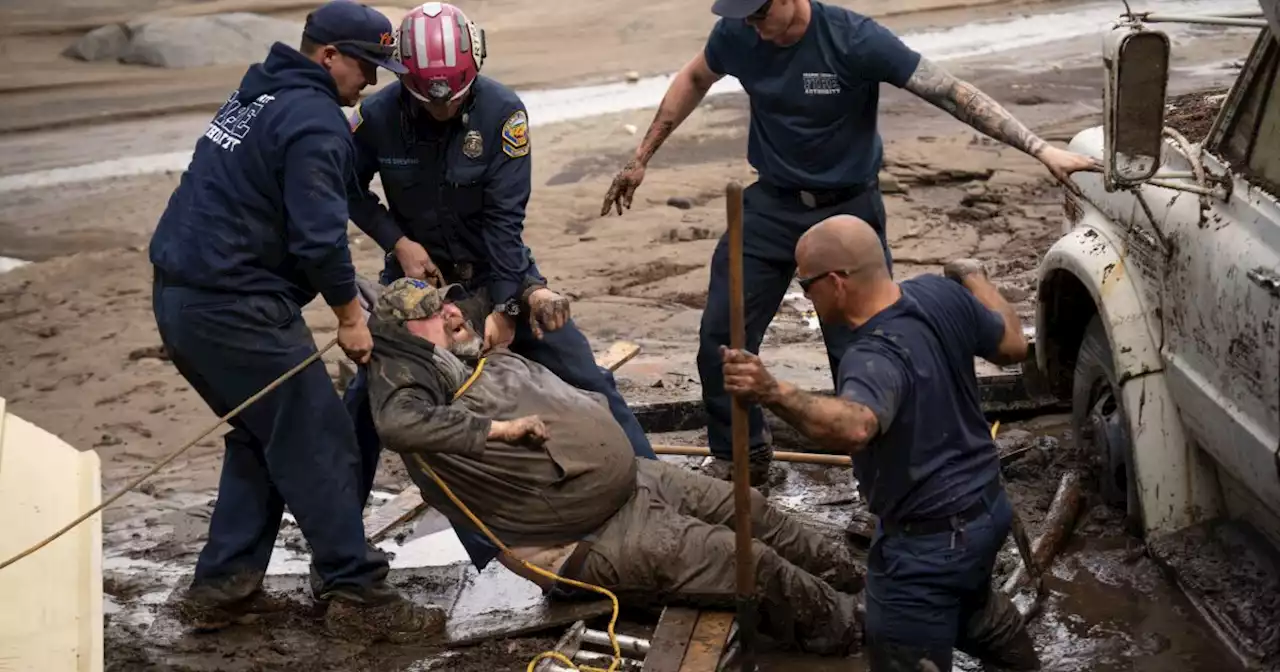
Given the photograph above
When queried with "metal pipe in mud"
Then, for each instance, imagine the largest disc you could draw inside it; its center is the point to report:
(632, 645)
(741, 476)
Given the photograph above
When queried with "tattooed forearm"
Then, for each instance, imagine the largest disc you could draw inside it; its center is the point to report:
(965, 102)
(834, 424)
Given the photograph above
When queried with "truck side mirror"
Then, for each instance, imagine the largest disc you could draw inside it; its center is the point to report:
(1137, 67)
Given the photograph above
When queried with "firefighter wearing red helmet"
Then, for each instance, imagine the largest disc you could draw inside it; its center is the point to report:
(453, 150)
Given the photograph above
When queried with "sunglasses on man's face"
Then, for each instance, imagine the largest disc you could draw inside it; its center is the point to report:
(762, 13)
(807, 282)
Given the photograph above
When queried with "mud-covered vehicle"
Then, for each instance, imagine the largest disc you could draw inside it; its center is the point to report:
(1158, 316)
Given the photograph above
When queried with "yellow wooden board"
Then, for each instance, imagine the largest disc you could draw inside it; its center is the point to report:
(52, 600)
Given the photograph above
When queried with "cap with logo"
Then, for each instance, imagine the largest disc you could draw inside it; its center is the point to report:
(412, 299)
(737, 9)
(356, 30)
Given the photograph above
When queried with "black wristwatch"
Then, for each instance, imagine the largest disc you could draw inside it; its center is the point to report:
(509, 307)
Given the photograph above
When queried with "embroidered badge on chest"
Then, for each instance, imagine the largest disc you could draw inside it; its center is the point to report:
(515, 135)
(473, 145)
(357, 118)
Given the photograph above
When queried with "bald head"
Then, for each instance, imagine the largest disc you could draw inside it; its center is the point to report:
(841, 243)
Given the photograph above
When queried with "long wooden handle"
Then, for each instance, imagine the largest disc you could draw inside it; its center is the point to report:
(778, 456)
(741, 477)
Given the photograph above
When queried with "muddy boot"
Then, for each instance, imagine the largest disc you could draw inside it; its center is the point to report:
(213, 606)
(375, 553)
(380, 614)
(997, 635)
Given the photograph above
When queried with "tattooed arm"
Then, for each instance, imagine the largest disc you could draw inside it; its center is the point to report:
(835, 424)
(687, 89)
(965, 102)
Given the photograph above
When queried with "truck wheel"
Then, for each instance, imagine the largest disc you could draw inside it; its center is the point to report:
(1101, 426)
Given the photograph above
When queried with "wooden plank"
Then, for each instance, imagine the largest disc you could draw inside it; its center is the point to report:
(670, 640)
(618, 354)
(707, 645)
(403, 507)
(409, 504)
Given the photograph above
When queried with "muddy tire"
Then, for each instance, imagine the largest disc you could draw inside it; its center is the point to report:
(1100, 424)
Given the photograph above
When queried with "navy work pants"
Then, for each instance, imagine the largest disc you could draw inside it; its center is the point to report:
(772, 223)
(293, 447)
(928, 594)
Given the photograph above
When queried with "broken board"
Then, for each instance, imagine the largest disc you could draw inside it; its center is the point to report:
(689, 640)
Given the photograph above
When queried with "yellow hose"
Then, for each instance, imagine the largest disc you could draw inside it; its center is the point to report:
(556, 655)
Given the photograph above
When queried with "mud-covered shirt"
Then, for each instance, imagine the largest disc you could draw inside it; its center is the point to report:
(913, 366)
(554, 494)
(814, 103)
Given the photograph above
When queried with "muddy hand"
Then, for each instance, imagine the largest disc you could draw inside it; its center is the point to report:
(548, 311)
(356, 341)
(745, 376)
(623, 189)
(1062, 164)
(959, 269)
(416, 263)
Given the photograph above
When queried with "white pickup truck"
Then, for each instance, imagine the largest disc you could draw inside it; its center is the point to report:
(1158, 310)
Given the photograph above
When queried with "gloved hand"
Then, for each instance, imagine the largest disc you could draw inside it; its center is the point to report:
(368, 291)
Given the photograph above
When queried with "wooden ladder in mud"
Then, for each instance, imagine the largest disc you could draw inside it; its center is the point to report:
(685, 640)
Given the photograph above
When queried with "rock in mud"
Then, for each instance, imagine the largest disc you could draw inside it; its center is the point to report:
(102, 44)
(680, 202)
(192, 42)
(889, 184)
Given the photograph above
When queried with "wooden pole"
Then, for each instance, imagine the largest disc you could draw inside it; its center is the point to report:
(824, 459)
(741, 473)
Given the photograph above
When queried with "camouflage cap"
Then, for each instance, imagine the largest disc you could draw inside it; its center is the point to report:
(412, 299)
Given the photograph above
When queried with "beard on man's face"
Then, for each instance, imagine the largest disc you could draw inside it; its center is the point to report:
(468, 347)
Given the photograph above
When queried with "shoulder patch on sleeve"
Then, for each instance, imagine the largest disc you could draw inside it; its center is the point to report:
(356, 118)
(515, 135)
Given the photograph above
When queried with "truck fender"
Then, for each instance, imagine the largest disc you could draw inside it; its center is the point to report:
(1176, 482)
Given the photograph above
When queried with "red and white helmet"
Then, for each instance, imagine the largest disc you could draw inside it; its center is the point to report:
(442, 50)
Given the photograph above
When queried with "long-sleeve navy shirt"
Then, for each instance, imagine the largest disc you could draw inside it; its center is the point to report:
(262, 208)
(459, 188)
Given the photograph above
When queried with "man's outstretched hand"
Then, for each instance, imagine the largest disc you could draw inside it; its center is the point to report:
(528, 430)
(746, 377)
(548, 311)
(1062, 163)
(623, 189)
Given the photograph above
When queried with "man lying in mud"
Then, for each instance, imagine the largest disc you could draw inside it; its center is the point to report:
(547, 468)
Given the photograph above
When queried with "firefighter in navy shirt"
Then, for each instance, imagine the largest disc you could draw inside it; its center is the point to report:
(812, 72)
(907, 410)
(452, 149)
(254, 231)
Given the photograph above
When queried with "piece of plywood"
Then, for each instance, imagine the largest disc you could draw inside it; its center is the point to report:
(52, 615)
(708, 642)
(618, 354)
(670, 639)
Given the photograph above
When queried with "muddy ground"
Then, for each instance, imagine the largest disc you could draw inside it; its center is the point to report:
(78, 347)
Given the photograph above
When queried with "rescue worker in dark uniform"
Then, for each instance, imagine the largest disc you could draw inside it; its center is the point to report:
(812, 72)
(907, 411)
(452, 149)
(257, 228)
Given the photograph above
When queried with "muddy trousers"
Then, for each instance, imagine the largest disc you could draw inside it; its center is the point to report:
(931, 593)
(294, 447)
(772, 223)
(673, 543)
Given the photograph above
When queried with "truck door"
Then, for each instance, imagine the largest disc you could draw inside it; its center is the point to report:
(1222, 307)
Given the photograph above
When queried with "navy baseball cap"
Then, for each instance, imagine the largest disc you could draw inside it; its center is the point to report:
(356, 30)
(737, 9)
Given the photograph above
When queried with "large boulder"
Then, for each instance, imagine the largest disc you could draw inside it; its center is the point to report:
(103, 44)
(188, 42)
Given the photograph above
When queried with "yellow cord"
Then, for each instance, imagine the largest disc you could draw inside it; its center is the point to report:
(556, 655)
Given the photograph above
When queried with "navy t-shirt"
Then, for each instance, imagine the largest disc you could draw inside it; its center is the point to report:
(912, 365)
(814, 103)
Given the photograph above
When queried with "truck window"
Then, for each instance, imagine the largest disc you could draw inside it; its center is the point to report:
(1253, 134)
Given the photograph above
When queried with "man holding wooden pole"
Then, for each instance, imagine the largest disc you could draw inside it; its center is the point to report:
(908, 412)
